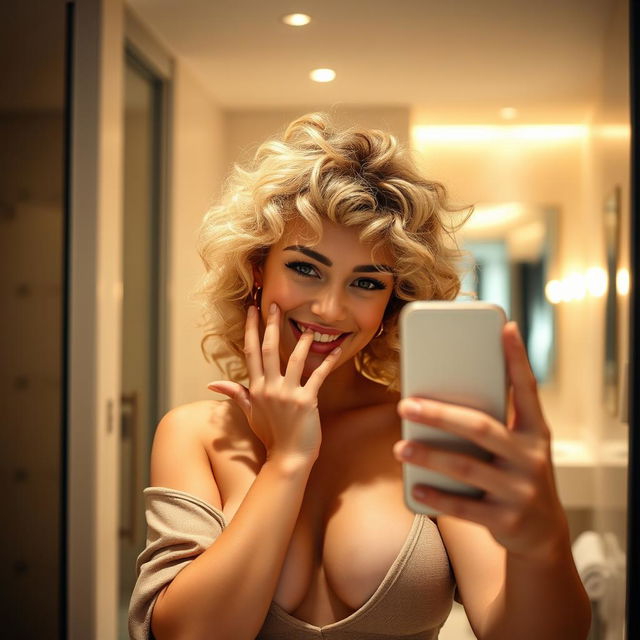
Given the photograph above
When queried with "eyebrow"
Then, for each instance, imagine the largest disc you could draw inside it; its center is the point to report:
(361, 268)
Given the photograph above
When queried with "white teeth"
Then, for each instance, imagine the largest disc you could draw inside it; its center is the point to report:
(323, 337)
(319, 337)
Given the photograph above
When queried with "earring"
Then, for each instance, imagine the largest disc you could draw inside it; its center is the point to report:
(380, 331)
(256, 296)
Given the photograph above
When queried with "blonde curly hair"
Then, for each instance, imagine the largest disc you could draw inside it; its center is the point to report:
(355, 177)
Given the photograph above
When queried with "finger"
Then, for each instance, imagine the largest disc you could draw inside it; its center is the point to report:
(237, 392)
(527, 409)
(271, 344)
(321, 372)
(467, 423)
(296, 362)
(480, 511)
(252, 353)
(463, 468)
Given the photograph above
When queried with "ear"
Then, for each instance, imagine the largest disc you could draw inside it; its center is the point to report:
(257, 275)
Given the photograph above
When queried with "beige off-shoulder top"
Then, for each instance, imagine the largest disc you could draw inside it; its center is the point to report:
(412, 602)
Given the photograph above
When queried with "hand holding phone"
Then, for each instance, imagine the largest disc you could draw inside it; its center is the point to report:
(451, 352)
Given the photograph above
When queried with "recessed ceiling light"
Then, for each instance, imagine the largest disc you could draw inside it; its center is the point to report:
(508, 113)
(322, 75)
(296, 19)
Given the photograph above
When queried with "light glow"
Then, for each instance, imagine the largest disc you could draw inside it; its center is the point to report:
(296, 19)
(622, 282)
(489, 216)
(322, 75)
(574, 287)
(614, 131)
(553, 291)
(508, 113)
(498, 133)
(596, 281)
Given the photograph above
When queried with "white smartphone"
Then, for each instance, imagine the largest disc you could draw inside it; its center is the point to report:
(452, 352)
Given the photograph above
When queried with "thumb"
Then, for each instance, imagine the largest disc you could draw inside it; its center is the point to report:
(234, 390)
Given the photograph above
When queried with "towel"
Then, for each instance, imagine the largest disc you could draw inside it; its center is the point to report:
(589, 556)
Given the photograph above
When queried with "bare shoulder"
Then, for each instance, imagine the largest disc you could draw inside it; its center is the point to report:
(181, 455)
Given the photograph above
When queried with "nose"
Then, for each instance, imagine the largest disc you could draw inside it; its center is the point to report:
(329, 306)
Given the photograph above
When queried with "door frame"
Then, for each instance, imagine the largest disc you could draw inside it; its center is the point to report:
(95, 293)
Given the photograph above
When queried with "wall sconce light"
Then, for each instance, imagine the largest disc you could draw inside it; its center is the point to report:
(576, 286)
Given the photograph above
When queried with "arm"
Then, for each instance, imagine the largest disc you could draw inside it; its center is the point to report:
(247, 557)
(225, 592)
(506, 596)
(511, 550)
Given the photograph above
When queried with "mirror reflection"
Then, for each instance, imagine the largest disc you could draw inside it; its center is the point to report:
(512, 250)
(530, 135)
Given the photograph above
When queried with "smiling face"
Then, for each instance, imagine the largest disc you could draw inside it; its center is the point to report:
(334, 287)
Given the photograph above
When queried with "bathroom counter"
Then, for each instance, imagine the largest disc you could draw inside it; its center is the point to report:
(577, 466)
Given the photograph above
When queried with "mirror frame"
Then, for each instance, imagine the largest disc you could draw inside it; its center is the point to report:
(633, 515)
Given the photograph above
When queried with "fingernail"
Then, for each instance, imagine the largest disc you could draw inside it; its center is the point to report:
(419, 492)
(518, 334)
(336, 351)
(403, 449)
(273, 308)
(211, 385)
(410, 408)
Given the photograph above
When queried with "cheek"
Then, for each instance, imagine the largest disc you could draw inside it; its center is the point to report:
(281, 290)
(371, 315)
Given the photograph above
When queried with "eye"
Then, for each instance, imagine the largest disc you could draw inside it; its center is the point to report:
(369, 284)
(303, 268)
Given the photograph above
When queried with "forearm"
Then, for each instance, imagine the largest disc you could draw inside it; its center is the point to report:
(541, 598)
(226, 591)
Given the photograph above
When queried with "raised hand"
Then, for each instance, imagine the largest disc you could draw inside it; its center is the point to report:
(281, 411)
(520, 507)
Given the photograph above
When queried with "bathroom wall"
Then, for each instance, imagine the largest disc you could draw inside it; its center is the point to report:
(548, 172)
(246, 129)
(196, 159)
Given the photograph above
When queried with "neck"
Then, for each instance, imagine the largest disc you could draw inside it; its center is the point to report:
(341, 389)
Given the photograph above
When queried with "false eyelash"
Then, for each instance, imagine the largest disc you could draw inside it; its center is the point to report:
(293, 266)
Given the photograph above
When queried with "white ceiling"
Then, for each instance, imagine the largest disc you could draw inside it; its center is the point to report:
(453, 60)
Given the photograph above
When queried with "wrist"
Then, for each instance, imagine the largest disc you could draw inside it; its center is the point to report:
(290, 464)
(553, 550)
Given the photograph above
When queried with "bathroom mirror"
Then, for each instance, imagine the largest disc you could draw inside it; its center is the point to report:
(523, 107)
(511, 251)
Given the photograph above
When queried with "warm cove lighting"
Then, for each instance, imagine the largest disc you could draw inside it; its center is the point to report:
(322, 75)
(490, 216)
(508, 113)
(296, 19)
(614, 131)
(498, 133)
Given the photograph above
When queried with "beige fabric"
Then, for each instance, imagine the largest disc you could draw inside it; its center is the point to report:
(179, 528)
(412, 602)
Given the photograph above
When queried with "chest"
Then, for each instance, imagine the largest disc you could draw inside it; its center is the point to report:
(352, 524)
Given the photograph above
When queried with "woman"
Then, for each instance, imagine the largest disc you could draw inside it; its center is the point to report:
(279, 512)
